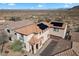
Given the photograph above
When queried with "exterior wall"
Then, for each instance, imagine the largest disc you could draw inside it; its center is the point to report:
(11, 34)
(34, 48)
(60, 33)
(26, 39)
(28, 47)
(18, 35)
(44, 34)
(65, 31)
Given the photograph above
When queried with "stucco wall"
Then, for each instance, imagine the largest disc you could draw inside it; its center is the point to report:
(44, 34)
(26, 40)
(11, 34)
(60, 33)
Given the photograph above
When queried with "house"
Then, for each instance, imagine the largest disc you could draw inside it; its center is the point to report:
(58, 29)
(34, 35)
(10, 26)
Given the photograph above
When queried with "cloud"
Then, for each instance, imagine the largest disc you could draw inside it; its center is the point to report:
(40, 5)
(32, 8)
(66, 5)
(11, 4)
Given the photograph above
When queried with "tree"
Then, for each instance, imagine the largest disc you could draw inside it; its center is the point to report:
(77, 29)
(17, 45)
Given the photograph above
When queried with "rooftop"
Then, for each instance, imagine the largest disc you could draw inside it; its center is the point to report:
(58, 25)
(26, 30)
(18, 24)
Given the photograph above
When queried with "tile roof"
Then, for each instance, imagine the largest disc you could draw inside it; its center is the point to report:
(26, 30)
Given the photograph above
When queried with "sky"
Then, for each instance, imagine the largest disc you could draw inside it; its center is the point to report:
(36, 5)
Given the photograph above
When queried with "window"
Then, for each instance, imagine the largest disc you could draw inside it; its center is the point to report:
(8, 30)
(15, 33)
(21, 37)
(56, 29)
(36, 46)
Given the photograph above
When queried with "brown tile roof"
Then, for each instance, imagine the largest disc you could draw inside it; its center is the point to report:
(34, 40)
(32, 28)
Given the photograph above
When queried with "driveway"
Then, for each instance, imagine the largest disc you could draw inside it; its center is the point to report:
(56, 47)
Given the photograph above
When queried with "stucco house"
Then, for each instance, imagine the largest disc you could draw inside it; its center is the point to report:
(58, 29)
(10, 26)
(34, 35)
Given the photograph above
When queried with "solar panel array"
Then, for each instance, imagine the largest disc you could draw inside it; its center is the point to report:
(42, 26)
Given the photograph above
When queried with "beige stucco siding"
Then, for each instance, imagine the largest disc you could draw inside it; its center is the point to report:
(44, 34)
(60, 33)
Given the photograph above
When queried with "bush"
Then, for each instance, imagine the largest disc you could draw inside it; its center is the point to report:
(16, 45)
(15, 18)
(77, 29)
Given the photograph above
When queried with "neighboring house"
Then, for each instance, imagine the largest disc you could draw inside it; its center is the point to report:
(10, 27)
(58, 29)
(34, 35)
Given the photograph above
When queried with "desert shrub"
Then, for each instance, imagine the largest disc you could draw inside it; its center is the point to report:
(77, 29)
(15, 19)
(16, 45)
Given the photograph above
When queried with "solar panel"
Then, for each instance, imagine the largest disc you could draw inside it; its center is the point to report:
(57, 24)
(42, 26)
